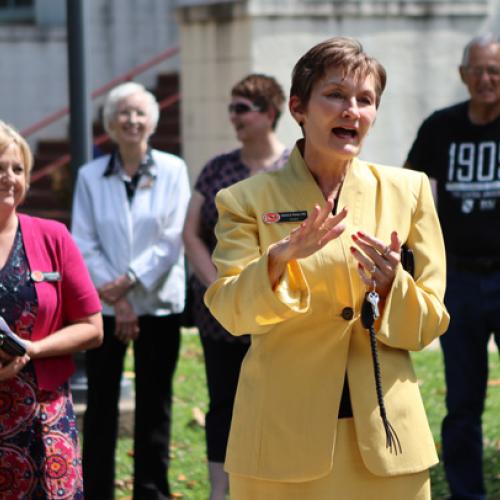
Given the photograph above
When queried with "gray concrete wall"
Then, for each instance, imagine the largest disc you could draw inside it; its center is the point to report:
(420, 43)
(216, 51)
(421, 75)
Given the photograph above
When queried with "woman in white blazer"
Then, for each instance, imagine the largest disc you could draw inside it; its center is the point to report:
(128, 214)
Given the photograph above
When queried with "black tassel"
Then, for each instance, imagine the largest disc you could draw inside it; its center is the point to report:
(368, 316)
(392, 439)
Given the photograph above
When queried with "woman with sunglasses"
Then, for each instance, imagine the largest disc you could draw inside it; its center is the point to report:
(308, 258)
(254, 109)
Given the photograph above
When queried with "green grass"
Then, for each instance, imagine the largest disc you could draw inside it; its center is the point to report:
(188, 467)
(188, 464)
(430, 371)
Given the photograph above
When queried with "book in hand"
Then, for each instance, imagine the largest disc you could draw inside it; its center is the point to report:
(10, 343)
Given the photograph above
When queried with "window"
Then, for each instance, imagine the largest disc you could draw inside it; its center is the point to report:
(17, 10)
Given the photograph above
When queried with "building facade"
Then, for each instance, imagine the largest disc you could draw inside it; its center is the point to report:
(419, 41)
(121, 35)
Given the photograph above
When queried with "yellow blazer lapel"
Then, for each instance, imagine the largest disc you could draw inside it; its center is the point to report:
(341, 281)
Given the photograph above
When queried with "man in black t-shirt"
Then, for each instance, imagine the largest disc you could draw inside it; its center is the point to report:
(459, 148)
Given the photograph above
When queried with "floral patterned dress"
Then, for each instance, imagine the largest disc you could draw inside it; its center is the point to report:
(220, 172)
(39, 452)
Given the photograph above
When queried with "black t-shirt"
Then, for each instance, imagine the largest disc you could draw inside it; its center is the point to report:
(465, 161)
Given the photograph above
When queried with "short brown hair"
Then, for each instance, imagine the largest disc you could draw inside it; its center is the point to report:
(263, 90)
(346, 53)
(9, 135)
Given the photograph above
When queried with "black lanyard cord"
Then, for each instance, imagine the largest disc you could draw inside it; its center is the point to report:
(392, 439)
(368, 319)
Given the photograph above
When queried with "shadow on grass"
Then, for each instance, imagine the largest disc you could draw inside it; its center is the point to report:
(188, 473)
(491, 476)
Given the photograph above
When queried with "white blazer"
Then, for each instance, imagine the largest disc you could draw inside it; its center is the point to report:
(144, 236)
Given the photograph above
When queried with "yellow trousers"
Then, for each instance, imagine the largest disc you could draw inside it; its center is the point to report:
(348, 480)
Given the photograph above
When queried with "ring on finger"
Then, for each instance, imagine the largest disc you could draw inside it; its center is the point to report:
(373, 268)
(387, 251)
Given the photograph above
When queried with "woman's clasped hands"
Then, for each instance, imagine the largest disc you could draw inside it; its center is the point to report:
(126, 321)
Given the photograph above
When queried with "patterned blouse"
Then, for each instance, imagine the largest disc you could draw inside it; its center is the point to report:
(220, 172)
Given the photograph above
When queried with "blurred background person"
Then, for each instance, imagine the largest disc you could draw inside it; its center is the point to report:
(255, 107)
(299, 253)
(128, 212)
(47, 298)
(459, 149)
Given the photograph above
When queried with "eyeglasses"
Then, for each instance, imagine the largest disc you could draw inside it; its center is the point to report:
(477, 71)
(240, 108)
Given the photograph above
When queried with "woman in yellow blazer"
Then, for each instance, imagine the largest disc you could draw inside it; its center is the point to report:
(298, 249)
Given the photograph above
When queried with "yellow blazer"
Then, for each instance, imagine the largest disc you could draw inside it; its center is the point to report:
(286, 408)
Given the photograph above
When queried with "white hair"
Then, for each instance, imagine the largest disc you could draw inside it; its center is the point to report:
(121, 92)
(479, 41)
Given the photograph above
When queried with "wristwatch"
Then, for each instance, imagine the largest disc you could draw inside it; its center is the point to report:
(131, 276)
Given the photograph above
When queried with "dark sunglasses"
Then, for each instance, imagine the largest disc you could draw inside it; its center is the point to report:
(240, 108)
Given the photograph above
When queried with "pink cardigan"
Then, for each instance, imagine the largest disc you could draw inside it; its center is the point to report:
(49, 247)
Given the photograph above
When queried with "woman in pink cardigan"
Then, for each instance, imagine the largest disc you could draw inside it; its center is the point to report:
(48, 300)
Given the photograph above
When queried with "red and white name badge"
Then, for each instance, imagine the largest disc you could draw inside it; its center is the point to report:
(293, 216)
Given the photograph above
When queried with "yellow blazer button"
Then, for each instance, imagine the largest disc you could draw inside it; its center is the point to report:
(347, 313)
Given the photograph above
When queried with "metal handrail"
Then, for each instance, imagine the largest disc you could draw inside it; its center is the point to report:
(65, 159)
(137, 70)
